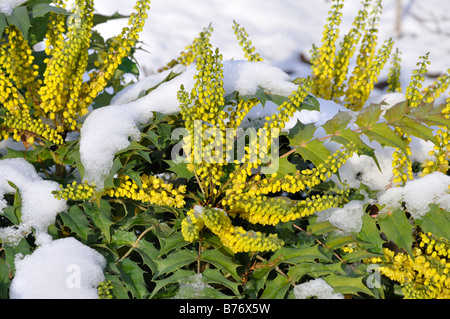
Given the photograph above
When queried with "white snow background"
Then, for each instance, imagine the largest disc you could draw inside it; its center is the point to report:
(281, 30)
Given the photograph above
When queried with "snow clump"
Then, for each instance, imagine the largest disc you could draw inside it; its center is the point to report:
(316, 288)
(61, 269)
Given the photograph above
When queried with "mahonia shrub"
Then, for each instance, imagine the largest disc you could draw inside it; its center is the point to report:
(185, 194)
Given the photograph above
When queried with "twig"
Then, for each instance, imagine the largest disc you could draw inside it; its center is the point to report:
(135, 243)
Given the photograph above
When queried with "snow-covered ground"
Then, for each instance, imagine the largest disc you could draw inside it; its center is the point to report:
(281, 30)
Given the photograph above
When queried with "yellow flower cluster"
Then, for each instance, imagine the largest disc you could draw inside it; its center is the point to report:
(245, 43)
(59, 94)
(368, 63)
(63, 76)
(191, 225)
(233, 237)
(16, 60)
(75, 191)
(394, 84)
(441, 152)
(323, 60)
(203, 110)
(288, 108)
(362, 86)
(150, 189)
(426, 276)
(401, 164)
(239, 109)
(54, 38)
(436, 89)
(271, 211)
(24, 127)
(104, 290)
(191, 51)
(120, 48)
(413, 93)
(347, 49)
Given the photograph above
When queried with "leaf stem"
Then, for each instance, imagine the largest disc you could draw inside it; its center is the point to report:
(135, 243)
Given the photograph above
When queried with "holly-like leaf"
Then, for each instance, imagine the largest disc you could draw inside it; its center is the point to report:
(314, 151)
(175, 278)
(3, 23)
(370, 234)
(215, 276)
(301, 254)
(415, 128)
(347, 285)
(398, 229)
(338, 122)
(100, 216)
(276, 288)
(133, 275)
(41, 9)
(180, 169)
(301, 133)
(77, 221)
(21, 20)
(369, 115)
(396, 112)
(436, 221)
(221, 261)
(174, 262)
(384, 135)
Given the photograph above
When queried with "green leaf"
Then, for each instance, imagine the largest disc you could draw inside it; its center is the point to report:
(310, 103)
(369, 233)
(221, 261)
(396, 112)
(430, 114)
(314, 151)
(301, 137)
(180, 169)
(100, 18)
(21, 20)
(347, 285)
(398, 229)
(142, 219)
(215, 276)
(261, 95)
(301, 254)
(3, 23)
(123, 238)
(359, 255)
(384, 135)
(338, 123)
(109, 181)
(77, 221)
(436, 221)
(174, 262)
(339, 242)
(41, 9)
(415, 128)
(369, 115)
(301, 133)
(276, 288)
(173, 241)
(321, 228)
(101, 217)
(148, 253)
(175, 278)
(133, 276)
